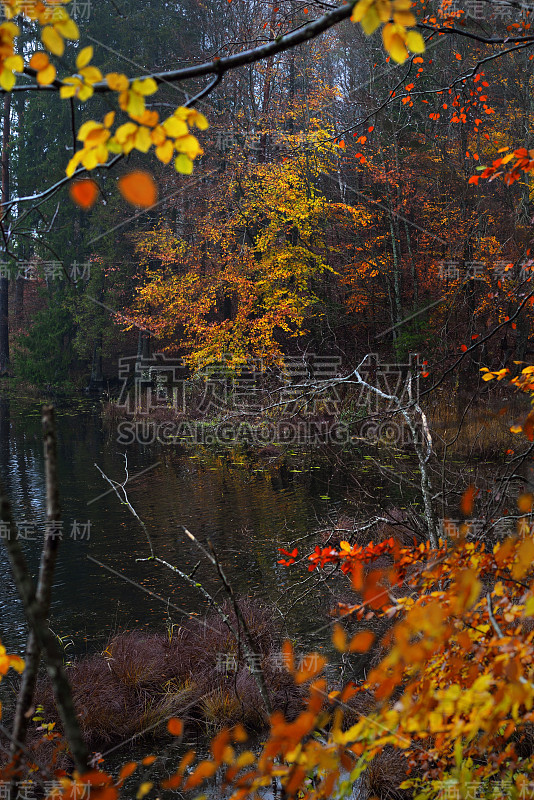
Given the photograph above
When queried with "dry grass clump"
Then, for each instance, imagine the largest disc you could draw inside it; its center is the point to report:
(141, 679)
(385, 773)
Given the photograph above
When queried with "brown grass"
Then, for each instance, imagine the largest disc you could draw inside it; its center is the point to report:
(141, 679)
(484, 431)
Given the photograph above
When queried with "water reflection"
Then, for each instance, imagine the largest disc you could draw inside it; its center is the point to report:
(247, 506)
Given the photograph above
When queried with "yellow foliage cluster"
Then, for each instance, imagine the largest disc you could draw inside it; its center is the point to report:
(395, 17)
(147, 131)
(144, 130)
(9, 62)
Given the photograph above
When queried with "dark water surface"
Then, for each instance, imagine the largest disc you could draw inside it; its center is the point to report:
(248, 505)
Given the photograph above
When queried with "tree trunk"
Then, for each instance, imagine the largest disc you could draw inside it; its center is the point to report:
(4, 280)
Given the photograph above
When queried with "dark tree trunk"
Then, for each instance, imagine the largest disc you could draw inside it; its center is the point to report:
(4, 281)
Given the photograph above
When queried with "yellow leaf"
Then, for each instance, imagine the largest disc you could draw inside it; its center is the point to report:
(52, 40)
(10, 29)
(85, 92)
(145, 87)
(144, 789)
(73, 163)
(91, 74)
(183, 164)
(188, 145)
(516, 429)
(68, 28)
(370, 22)
(7, 80)
(398, 50)
(84, 57)
(117, 82)
(143, 142)
(165, 151)
(175, 127)
(14, 63)
(245, 759)
(136, 104)
(383, 8)
(405, 18)
(529, 607)
(47, 75)
(415, 42)
(360, 10)
(87, 128)
(199, 120)
(67, 91)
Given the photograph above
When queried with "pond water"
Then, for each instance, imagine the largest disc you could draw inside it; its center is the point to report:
(247, 505)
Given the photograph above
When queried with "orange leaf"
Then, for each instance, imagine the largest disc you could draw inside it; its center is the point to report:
(39, 61)
(468, 500)
(127, 770)
(504, 551)
(105, 793)
(84, 193)
(357, 576)
(525, 556)
(204, 770)
(288, 657)
(139, 189)
(528, 427)
(310, 666)
(175, 726)
(375, 595)
(524, 503)
(148, 760)
(361, 642)
(175, 780)
(339, 638)
(219, 744)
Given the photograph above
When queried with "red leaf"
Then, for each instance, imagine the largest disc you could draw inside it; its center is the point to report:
(84, 193)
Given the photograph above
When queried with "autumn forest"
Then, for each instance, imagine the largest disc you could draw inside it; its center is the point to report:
(266, 400)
